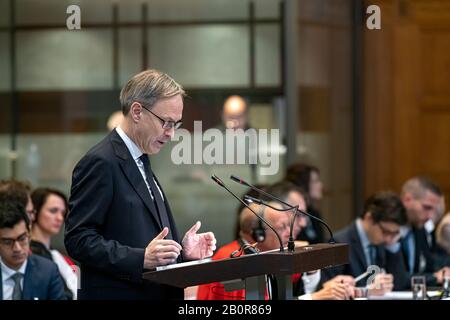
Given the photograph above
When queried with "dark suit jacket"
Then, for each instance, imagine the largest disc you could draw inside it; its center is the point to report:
(42, 280)
(112, 219)
(424, 261)
(314, 232)
(392, 263)
(40, 249)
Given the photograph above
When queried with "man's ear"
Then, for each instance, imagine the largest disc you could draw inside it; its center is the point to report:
(136, 111)
(368, 216)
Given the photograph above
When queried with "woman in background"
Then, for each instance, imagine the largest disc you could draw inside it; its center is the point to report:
(307, 177)
(51, 208)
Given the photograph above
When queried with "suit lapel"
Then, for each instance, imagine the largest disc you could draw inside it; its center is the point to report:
(28, 280)
(132, 173)
(357, 248)
(381, 257)
(173, 228)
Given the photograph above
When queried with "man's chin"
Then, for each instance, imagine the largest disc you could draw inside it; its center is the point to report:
(154, 150)
(156, 147)
(18, 262)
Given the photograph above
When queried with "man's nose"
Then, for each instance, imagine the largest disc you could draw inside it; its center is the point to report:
(16, 246)
(169, 132)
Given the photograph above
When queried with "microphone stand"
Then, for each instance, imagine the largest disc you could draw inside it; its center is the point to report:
(220, 183)
(295, 208)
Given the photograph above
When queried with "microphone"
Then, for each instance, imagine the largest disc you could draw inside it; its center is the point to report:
(245, 183)
(217, 180)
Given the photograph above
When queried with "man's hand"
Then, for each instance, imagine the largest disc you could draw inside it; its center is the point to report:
(334, 291)
(160, 252)
(383, 283)
(345, 279)
(198, 245)
(440, 274)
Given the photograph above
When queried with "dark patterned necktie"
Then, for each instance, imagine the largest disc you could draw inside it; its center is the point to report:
(157, 198)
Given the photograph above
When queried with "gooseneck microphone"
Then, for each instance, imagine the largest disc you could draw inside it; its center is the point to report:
(217, 180)
(245, 183)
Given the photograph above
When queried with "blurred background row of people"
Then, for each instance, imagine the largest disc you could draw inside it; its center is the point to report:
(29, 219)
(404, 235)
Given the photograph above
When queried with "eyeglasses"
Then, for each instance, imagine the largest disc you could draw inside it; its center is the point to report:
(387, 232)
(166, 124)
(22, 240)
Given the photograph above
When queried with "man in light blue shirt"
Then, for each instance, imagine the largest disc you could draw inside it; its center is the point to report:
(374, 241)
(421, 198)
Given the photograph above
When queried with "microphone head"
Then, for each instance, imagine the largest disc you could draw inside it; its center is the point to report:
(217, 180)
(251, 199)
(239, 180)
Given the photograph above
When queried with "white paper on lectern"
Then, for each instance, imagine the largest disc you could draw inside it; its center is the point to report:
(400, 295)
(183, 264)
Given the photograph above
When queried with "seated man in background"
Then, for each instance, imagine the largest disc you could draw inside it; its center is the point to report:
(24, 276)
(17, 191)
(443, 240)
(373, 240)
(253, 233)
(438, 247)
(422, 199)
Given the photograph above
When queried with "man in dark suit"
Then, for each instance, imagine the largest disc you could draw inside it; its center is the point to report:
(24, 276)
(373, 240)
(421, 198)
(120, 223)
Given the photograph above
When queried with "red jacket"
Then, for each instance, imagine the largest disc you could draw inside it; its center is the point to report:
(215, 290)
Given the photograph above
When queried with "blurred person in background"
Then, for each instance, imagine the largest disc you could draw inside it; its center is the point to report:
(235, 113)
(374, 240)
(421, 198)
(14, 190)
(307, 177)
(255, 236)
(51, 209)
(443, 234)
(24, 276)
(441, 250)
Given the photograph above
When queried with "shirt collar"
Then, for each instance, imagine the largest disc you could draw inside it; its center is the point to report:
(429, 226)
(7, 272)
(405, 230)
(132, 147)
(362, 234)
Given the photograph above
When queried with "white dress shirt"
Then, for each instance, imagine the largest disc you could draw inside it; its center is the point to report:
(365, 242)
(7, 282)
(310, 283)
(136, 153)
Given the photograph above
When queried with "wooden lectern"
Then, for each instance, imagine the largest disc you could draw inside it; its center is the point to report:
(252, 269)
